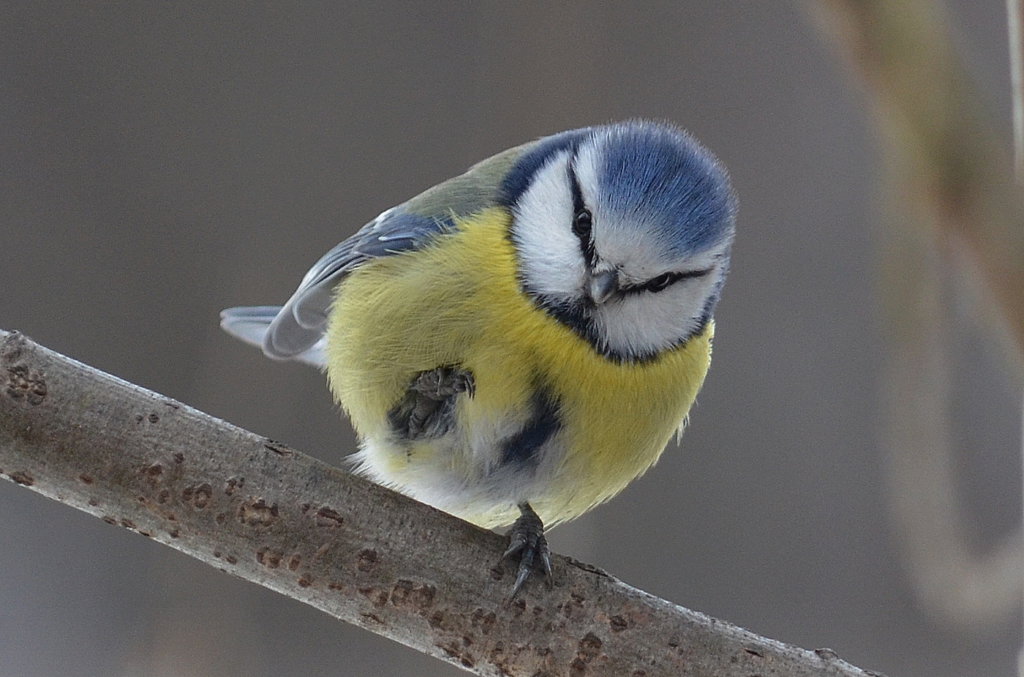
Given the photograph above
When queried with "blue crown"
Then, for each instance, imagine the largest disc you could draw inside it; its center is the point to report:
(662, 177)
(651, 173)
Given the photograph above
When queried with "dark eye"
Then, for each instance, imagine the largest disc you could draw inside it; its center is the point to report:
(582, 224)
(656, 284)
(659, 283)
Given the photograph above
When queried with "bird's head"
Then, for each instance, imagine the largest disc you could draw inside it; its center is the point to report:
(623, 233)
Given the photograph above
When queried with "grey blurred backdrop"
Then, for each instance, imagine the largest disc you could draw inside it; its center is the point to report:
(159, 162)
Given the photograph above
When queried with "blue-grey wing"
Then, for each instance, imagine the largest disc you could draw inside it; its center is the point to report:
(295, 330)
(251, 323)
(302, 320)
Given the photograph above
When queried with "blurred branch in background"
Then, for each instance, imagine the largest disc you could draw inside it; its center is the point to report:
(1014, 24)
(955, 208)
(359, 552)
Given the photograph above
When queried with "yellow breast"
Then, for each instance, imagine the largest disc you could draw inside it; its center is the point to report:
(458, 302)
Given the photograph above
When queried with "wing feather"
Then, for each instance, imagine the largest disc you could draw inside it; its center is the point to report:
(298, 326)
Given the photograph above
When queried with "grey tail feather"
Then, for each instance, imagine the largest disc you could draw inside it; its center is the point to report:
(255, 325)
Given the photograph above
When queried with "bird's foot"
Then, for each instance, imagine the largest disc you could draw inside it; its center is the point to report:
(443, 382)
(526, 538)
(428, 406)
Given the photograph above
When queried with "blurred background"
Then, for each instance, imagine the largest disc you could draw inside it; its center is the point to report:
(160, 162)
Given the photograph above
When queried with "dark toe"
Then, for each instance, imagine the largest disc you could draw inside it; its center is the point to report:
(526, 539)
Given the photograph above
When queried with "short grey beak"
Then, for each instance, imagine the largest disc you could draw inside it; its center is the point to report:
(602, 285)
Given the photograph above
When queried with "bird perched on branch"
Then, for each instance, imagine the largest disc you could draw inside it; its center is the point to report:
(518, 343)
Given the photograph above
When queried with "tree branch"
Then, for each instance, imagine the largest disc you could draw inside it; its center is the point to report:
(264, 512)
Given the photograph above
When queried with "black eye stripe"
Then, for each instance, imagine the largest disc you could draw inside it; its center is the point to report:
(664, 281)
(577, 194)
(582, 218)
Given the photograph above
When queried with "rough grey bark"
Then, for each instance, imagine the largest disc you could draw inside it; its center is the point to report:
(262, 511)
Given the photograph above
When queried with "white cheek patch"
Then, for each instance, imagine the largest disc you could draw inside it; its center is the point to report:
(586, 172)
(549, 253)
(647, 322)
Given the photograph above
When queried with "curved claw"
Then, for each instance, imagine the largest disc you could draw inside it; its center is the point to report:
(526, 539)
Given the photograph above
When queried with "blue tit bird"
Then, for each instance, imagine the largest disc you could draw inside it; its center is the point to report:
(518, 343)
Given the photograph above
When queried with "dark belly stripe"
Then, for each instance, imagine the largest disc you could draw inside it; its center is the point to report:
(543, 424)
